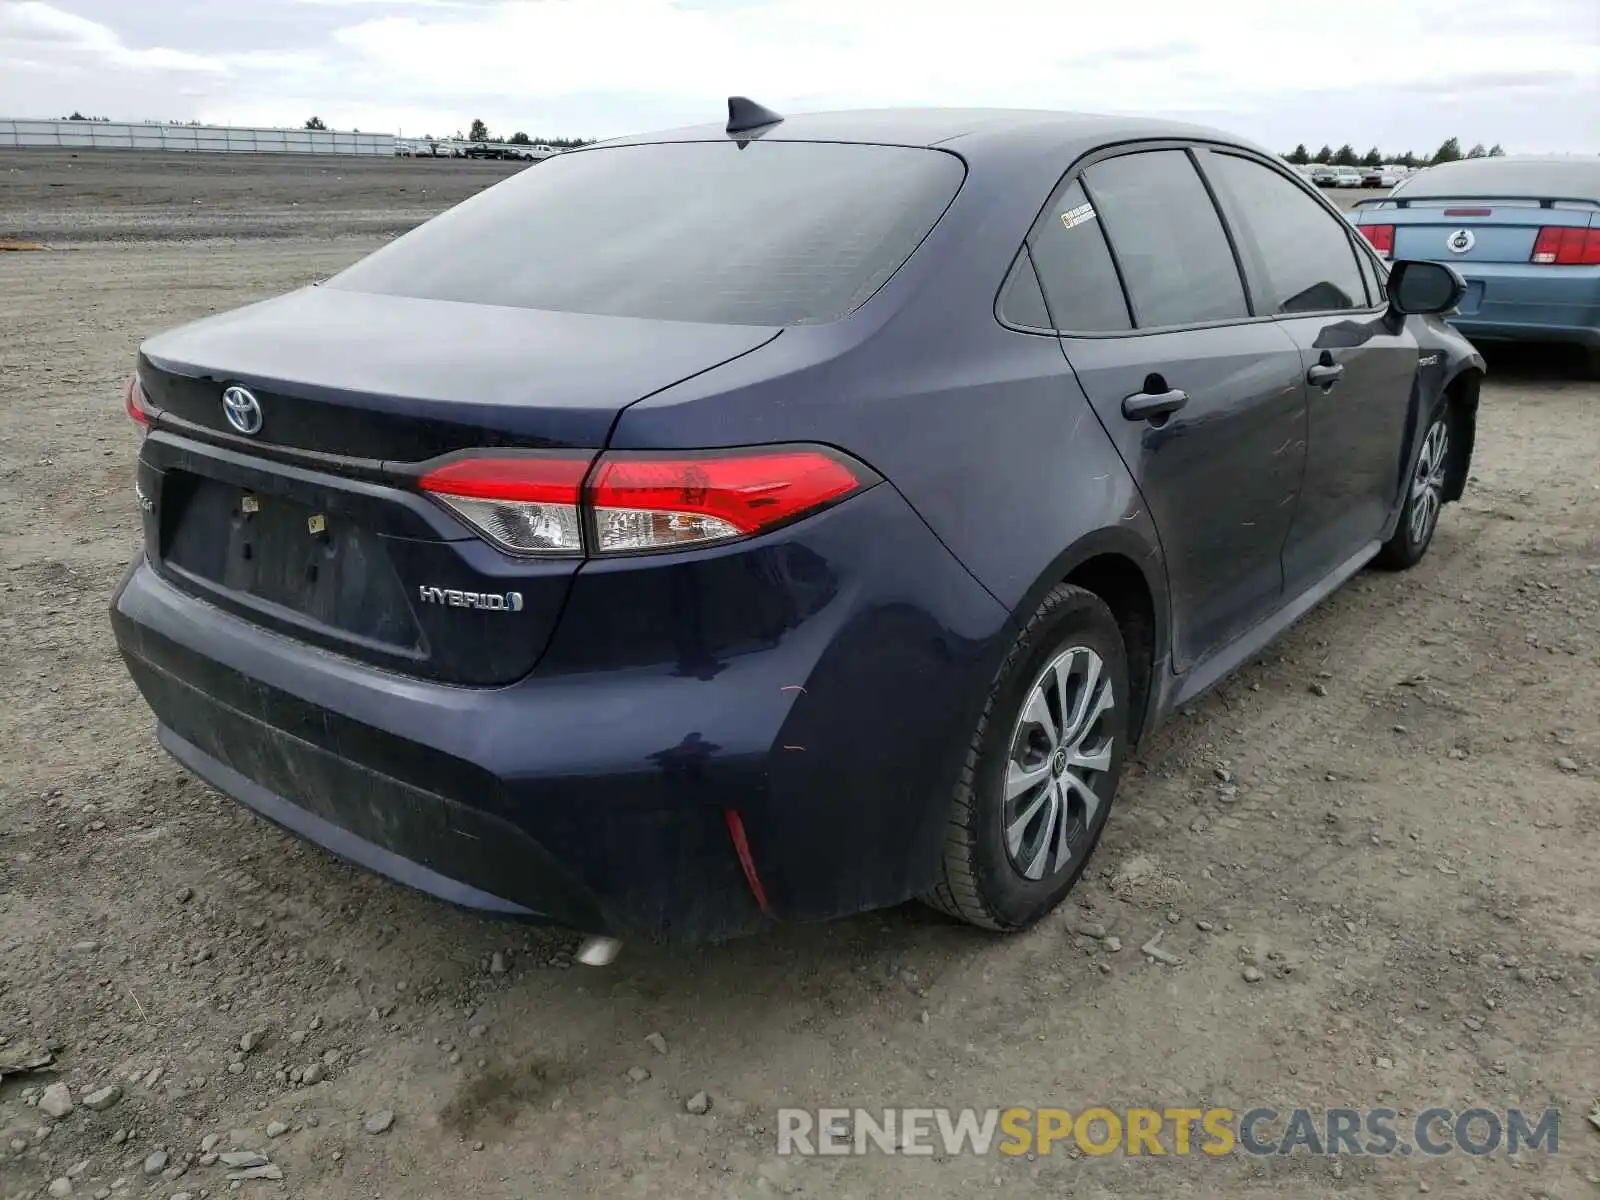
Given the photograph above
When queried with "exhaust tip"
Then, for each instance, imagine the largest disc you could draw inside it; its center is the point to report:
(599, 951)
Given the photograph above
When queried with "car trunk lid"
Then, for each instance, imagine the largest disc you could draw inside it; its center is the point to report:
(393, 378)
(313, 525)
(1467, 230)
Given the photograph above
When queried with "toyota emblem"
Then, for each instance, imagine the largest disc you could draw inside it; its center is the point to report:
(242, 409)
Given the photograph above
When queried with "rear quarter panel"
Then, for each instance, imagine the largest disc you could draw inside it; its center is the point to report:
(983, 429)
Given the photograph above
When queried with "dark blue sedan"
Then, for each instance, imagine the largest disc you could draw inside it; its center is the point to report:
(779, 519)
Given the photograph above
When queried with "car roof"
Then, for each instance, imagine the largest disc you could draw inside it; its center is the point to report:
(967, 130)
(1510, 175)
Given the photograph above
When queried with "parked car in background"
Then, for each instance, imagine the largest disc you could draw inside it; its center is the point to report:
(1376, 177)
(724, 586)
(1523, 231)
(1336, 177)
(500, 150)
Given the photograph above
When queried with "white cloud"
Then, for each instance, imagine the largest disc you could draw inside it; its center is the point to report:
(46, 34)
(1390, 71)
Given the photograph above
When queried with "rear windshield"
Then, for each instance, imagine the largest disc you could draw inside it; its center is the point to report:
(775, 233)
(1530, 178)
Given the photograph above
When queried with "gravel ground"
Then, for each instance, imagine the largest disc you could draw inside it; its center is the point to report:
(67, 196)
(1371, 857)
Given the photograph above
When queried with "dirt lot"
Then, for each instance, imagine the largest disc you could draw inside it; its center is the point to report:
(1392, 817)
(110, 195)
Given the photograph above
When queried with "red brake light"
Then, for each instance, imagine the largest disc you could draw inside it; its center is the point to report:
(527, 504)
(1381, 237)
(535, 479)
(133, 403)
(657, 501)
(1567, 246)
(636, 501)
(1468, 212)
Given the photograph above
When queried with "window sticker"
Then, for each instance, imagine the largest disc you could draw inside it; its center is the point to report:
(1077, 216)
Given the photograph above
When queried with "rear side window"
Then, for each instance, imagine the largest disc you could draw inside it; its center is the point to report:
(1080, 283)
(1021, 301)
(1167, 238)
(1299, 256)
(774, 233)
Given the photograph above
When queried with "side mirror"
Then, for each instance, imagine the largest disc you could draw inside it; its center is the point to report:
(1421, 288)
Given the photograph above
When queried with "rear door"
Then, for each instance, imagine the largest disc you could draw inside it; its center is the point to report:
(1302, 265)
(1204, 405)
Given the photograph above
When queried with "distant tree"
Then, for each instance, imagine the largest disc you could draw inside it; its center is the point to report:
(1448, 151)
(479, 132)
(315, 123)
(77, 116)
(559, 143)
(1497, 151)
(1299, 155)
(1478, 152)
(521, 139)
(1345, 156)
(1325, 155)
(1372, 158)
(1407, 159)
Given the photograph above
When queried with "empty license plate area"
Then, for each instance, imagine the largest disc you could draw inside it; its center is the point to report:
(259, 548)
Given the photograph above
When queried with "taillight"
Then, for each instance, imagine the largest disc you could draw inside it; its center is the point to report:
(654, 502)
(527, 504)
(1381, 237)
(133, 404)
(1567, 246)
(636, 501)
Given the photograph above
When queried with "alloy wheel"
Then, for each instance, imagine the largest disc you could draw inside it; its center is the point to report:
(1427, 484)
(1060, 752)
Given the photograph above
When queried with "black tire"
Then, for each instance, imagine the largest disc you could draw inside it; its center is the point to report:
(1424, 489)
(981, 881)
(1591, 362)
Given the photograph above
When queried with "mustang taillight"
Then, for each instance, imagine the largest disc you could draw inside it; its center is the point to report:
(639, 501)
(1381, 237)
(133, 404)
(1567, 246)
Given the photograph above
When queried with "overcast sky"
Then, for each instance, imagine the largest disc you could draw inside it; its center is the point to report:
(1403, 74)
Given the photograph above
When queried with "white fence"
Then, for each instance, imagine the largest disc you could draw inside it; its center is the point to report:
(113, 135)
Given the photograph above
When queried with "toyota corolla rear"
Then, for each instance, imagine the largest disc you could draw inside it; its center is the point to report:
(400, 594)
(1523, 232)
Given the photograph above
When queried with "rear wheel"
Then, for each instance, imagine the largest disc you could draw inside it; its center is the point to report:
(1042, 768)
(1424, 498)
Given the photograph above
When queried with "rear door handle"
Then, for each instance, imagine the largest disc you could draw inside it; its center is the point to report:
(1325, 374)
(1149, 406)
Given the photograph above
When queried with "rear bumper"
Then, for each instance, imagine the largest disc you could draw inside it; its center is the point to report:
(595, 792)
(1519, 301)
